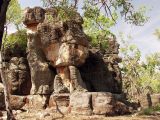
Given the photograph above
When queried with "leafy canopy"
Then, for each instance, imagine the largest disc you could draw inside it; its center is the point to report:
(98, 15)
(18, 39)
(139, 77)
(14, 14)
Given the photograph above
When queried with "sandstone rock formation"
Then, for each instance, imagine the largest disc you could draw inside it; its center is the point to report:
(61, 69)
(17, 102)
(18, 76)
(41, 76)
(64, 46)
(101, 72)
(80, 103)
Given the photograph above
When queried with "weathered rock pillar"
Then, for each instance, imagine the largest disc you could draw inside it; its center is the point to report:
(41, 76)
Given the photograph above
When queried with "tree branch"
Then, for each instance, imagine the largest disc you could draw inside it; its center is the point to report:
(3, 10)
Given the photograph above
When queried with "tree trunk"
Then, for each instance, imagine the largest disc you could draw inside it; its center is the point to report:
(3, 9)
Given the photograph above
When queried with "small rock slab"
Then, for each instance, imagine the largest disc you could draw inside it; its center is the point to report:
(39, 101)
(61, 99)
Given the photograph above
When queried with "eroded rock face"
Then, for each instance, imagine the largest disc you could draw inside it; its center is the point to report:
(34, 16)
(18, 76)
(101, 72)
(41, 76)
(64, 44)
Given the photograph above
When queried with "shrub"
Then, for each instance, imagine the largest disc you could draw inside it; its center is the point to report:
(18, 39)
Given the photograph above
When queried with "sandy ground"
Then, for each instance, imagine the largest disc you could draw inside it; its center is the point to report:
(52, 115)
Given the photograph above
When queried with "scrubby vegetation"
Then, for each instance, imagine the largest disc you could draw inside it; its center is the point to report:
(151, 110)
(139, 77)
(18, 39)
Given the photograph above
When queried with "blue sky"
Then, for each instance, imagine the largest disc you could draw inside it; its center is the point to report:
(142, 36)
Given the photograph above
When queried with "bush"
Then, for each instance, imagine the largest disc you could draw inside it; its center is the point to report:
(151, 110)
(15, 45)
(18, 39)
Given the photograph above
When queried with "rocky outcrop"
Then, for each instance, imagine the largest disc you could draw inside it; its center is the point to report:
(65, 71)
(18, 76)
(41, 76)
(33, 16)
(66, 47)
(101, 72)
(63, 44)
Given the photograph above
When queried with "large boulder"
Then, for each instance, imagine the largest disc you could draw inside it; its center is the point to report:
(16, 102)
(96, 103)
(80, 103)
(103, 103)
(64, 46)
(64, 43)
(149, 100)
(33, 16)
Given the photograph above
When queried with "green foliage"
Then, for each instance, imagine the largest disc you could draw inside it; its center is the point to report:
(147, 111)
(14, 13)
(151, 110)
(157, 33)
(136, 17)
(64, 9)
(66, 13)
(97, 25)
(139, 77)
(98, 15)
(18, 39)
